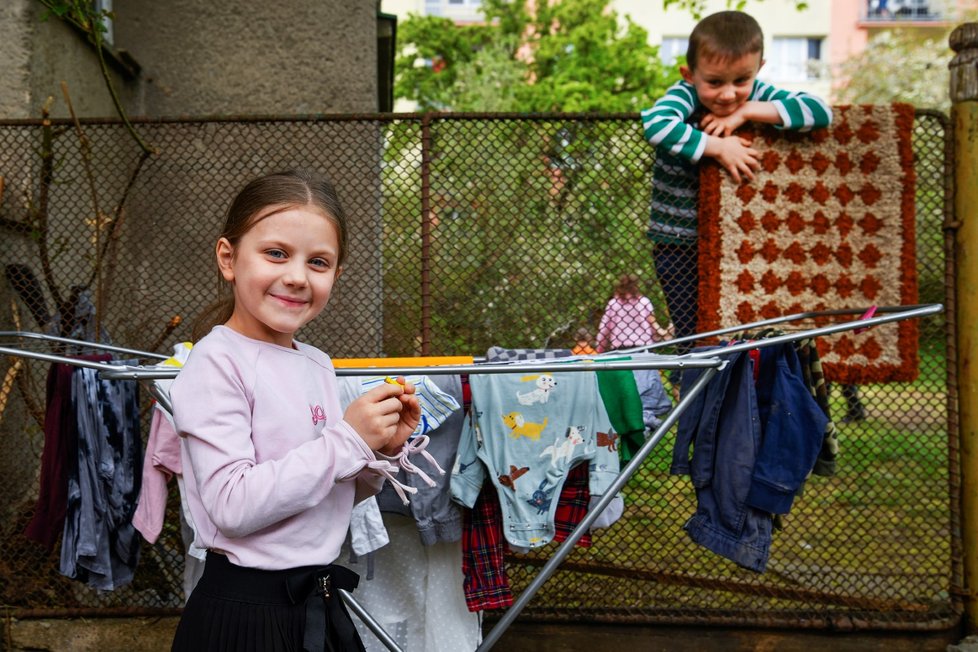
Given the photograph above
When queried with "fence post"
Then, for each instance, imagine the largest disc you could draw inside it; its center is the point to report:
(964, 120)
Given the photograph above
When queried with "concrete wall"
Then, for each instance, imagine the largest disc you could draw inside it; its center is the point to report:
(253, 56)
(39, 54)
(241, 58)
(15, 55)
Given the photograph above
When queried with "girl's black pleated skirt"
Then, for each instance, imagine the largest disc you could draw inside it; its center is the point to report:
(238, 609)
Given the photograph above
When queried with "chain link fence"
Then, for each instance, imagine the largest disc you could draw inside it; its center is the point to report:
(467, 231)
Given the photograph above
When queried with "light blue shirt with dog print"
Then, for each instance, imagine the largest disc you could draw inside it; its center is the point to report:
(526, 431)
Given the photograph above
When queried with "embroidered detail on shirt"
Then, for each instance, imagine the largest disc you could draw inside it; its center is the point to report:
(318, 414)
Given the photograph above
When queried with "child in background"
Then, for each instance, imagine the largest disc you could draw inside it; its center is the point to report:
(273, 468)
(583, 343)
(629, 319)
(628, 322)
(697, 117)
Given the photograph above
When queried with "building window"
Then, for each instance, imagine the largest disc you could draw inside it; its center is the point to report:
(793, 59)
(672, 48)
(453, 8)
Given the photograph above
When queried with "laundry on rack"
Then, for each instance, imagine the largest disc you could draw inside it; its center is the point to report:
(162, 462)
(486, 583)
(60, 446)
(434, 617)
(100, 546)
(483, 545)
(644, 392)
(503, 354)
(181, 353)
(633, 399)
(438, 518)
(652, 393)
(367, 531)
(416, 549)
(624, 405)
(814, 379)
(754, 443)
(811, 369)
(367, 534)
(527, 440)
(622, 401)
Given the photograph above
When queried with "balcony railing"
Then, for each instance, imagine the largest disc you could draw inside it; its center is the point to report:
(897, 12)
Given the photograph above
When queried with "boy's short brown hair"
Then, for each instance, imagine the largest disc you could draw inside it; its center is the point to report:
(724, 35)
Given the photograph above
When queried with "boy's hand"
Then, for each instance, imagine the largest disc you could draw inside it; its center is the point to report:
(715, 125)
(735, 154)
(385, 416)
(753, 111)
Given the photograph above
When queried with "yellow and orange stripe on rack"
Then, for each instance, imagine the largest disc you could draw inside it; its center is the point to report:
(382, 363)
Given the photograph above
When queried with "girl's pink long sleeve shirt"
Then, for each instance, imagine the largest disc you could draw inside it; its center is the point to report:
(272, 470)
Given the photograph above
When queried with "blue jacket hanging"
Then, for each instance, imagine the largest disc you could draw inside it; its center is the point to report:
(753, 446)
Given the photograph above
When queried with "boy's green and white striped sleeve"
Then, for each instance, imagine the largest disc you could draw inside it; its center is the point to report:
(665, 123)
(799, 111)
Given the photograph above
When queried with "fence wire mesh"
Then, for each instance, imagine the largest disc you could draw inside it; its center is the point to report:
(467, 231)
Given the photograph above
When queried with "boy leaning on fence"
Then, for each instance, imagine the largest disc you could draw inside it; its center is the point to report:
(697, 117)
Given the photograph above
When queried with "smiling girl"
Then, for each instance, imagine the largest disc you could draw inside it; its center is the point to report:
(272, 465)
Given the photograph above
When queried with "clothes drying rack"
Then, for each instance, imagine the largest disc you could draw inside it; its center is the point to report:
(711, 361)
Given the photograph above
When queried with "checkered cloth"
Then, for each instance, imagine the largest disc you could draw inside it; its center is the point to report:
(486, 584)
(499, 354)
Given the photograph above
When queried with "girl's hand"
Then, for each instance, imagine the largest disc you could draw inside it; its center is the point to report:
(410, 417)
(385, 416)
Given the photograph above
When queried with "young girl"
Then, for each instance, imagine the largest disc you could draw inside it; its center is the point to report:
(629, 319)
(272, 467)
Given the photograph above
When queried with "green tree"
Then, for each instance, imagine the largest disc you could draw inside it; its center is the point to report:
(531, 219)
(900, 66)
(576, 55)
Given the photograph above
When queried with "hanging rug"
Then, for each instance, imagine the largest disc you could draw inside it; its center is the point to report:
(827, 223)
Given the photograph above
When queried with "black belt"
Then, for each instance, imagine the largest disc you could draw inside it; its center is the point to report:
(329, 627)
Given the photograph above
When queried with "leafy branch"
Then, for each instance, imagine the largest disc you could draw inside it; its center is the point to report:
(84, 15)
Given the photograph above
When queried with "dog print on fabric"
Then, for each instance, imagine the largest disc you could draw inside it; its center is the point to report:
(544, 384)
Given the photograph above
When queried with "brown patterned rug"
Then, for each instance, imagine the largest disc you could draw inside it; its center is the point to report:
(827, 223)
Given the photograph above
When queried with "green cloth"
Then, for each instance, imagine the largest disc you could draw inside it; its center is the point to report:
(619, 393)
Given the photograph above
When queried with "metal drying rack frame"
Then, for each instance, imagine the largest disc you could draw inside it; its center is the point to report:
(710, 361)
